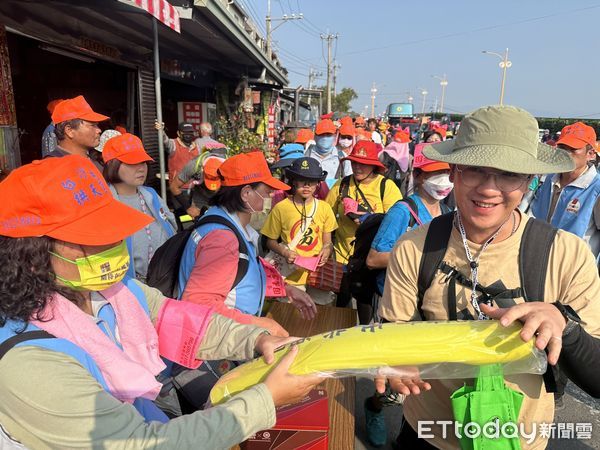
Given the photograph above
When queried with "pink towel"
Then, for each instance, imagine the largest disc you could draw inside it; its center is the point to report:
(400, 152)
(129, 373)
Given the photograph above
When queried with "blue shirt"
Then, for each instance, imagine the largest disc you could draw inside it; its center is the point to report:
(395, 224)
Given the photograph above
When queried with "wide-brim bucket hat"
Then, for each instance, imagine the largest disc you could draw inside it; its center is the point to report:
(503, 138)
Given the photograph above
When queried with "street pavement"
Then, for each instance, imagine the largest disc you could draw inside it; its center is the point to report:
(578, 408)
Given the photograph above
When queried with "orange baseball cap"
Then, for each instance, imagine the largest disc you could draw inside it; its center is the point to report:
(76, 108)
(304, 135)
(347, 129)
(247, 168)
(67, 199)
(577, 135)
(420, 161)
(127, 148)
(346, 120)
(212, 181)
(325, 126)
(360, 120)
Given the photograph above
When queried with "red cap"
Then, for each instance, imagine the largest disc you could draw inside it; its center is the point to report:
(67, 199)
(75, 108)
(426, 164)
(346, 120)
(327, 116)
(304, 135)
(127, 148)
(577, 135)
(325, 126)
(365, 152)
(360, 120)
(247, 168)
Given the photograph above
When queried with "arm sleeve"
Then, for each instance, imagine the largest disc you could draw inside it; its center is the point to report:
(580, 360)
(228, 339)
(394, 225)
(213, 274)
(188, 171)
(391, 195)
(50, 401)
(168, 143)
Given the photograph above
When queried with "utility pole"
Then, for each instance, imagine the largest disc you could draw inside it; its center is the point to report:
(312, 75)
(282, 19)
(336, 66)
(329, 38)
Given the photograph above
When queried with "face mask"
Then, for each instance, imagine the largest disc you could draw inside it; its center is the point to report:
(186, 138)
(324, 144)
(438, 186)
(345, 143)
(258, 218)
(100, 271)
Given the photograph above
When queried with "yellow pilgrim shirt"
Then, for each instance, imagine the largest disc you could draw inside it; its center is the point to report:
(344, 236)
(285, 221)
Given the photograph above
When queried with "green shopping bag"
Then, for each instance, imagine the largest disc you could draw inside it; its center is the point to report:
(493, 407)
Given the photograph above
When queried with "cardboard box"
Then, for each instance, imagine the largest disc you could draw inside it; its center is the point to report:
(302, 426)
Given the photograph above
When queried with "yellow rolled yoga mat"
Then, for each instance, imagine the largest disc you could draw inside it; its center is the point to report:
(431, 349)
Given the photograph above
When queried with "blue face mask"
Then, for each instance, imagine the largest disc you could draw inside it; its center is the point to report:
(324, 144)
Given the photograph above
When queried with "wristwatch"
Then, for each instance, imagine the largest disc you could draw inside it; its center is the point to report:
(570, 316)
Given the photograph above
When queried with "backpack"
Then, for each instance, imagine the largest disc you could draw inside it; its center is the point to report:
(534, 254)
(163, 270)
(395, 173)
(363, 281)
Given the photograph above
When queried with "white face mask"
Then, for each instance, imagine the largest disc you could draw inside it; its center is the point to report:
(438, 186)
(345, 143)
(258, 218)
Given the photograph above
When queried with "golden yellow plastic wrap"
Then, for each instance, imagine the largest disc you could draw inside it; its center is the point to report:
(430, 349)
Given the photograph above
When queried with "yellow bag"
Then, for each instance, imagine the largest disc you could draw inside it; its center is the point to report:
(436, 349)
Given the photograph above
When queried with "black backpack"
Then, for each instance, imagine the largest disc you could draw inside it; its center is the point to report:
(395, 173)
(163, 270)
(534, 254)
(363, 281)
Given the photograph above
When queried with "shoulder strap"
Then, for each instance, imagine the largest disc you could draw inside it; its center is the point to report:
(534, 254)
(22, 337)
(242, 245)
(344, 186)
(436, 244)
(382, 190)
(413, 209)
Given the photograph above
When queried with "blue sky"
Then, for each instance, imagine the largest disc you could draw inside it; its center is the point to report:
(553, 45)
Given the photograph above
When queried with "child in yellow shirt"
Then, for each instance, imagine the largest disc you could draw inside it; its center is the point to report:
(303, 224)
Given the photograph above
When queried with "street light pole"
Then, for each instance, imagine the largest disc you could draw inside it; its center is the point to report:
(373, 92)
(504, 64)
(443, 83)
(424, 94)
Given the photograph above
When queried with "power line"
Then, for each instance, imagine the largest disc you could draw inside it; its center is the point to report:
(476, 30)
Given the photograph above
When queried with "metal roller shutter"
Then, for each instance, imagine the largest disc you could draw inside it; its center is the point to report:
(149, 135)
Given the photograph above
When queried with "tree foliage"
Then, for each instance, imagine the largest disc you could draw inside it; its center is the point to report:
(341, 101)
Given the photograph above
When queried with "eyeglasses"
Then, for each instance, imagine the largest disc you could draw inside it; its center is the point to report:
(505, 181)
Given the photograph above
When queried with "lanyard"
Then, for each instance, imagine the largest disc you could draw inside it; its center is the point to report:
(474, 262)
(147, 228)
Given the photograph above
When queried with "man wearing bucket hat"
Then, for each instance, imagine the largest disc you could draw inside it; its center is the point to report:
(324, 149)
(76, 128)
(492, 158)
(304, 225)
(82, 343)
(571, 200)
